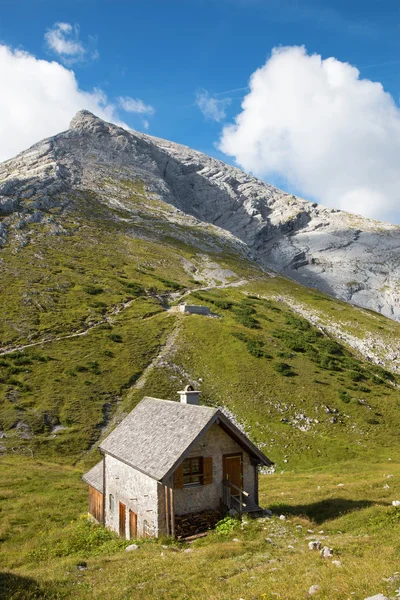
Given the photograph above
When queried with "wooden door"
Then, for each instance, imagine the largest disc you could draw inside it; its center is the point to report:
(122, 520)
(132, 525)
(233, 471)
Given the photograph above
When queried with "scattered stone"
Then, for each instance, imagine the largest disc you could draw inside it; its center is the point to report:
(188, 550)
(386, 486)
(282, 517)
(377, 597)
(270, 541)
(82, 566)
(337, 563)
(340, 484)
(396, 503)
(310, 531)
(133, 547)
(314, 589)
(326, 552)
(235, 540)
(315, 545)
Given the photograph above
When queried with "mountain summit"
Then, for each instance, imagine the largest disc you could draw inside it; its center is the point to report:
(345, 255)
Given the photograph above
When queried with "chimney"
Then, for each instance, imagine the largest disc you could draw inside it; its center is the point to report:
(189, 396)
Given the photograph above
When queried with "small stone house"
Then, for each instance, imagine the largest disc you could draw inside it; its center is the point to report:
(169, 459)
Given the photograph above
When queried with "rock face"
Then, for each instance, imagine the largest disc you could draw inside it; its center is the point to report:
(344, 255)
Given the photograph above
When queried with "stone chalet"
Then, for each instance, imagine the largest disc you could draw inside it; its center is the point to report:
(169, 459)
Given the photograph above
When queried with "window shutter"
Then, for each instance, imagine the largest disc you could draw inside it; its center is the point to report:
(178, 477)
(207, 465)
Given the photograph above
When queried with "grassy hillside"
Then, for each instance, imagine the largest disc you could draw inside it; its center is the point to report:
(50, 551)
(88, 328)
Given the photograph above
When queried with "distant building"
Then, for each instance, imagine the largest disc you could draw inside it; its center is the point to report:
(194, 309)
(169, 459)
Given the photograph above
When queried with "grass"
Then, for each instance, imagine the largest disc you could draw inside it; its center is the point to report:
(45, 541)
(323, 413)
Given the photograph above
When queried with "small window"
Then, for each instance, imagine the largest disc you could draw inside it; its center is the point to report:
(111, 502)
(193, 472)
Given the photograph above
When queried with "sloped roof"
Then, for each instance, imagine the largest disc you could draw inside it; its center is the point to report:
(154, 437)
(94, 477)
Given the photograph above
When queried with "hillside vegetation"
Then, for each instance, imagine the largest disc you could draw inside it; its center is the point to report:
(89, 326)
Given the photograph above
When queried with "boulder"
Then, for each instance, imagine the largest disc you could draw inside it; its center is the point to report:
(315, 545)
(132, 547)
(314, 589)
(326, 552)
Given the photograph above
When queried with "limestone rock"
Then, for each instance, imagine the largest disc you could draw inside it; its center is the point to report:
(345, 255)
(326, 552)
(314, 589)
(315, 545)
(377, 597)
(132, 547)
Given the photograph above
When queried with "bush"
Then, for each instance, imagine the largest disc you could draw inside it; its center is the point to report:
(284, 369)
(115, 337)
(344, 396)
(226, 525)
(93, 290)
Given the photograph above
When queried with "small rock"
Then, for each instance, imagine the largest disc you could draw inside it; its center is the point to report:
(270, 541)
(340, 484)
(310, 531)
(82, 566)
(282, 517)
(326, 552)
(337, 563)
(396, 503)
(315, 545)
(377, 597)
(386, 486)
(314, 589)
(132, 547)
(291, 547)
(321, 532)
(188, 550)
(235, 540)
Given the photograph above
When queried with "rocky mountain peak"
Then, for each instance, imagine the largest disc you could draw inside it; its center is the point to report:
(342, 254)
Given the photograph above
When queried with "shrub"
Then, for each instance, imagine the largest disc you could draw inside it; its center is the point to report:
(226, 525)
(93, 290)
(344, 396)
(284, 369)
(108, 353)
(115, 337)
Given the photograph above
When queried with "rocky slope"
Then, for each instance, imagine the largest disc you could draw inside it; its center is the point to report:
(344, 255)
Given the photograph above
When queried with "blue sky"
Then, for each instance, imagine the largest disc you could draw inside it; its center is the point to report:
(167, 53)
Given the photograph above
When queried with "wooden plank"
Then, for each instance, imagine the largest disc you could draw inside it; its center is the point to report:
(122, 520)
(132, 524)
(96, 504)
(208, 470)
(172, 512)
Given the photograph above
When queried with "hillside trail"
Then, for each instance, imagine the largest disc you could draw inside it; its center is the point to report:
(116, 310)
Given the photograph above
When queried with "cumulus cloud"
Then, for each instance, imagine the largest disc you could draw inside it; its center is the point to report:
(63, 39)
(212, 108)
(135, 105)
(332, 136)
(39, 98)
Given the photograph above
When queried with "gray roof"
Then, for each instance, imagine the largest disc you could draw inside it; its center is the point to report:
(94, 477)
(154, 437)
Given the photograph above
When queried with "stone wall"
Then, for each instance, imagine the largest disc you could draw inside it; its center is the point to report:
(214, 443)
(136, 490)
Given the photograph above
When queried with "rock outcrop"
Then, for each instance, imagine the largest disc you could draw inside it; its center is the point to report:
(344, 255)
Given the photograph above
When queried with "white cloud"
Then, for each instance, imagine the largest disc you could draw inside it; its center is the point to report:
(333, 136)
(63, 39)
(135, 105)
(212, 108)
(39, 98)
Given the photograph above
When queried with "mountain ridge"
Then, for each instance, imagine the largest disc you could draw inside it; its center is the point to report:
(345, 255)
